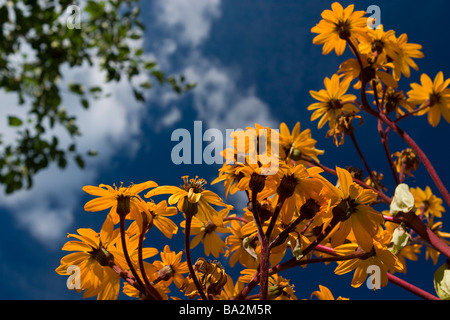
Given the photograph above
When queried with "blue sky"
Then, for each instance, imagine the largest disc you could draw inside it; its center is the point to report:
(253, 61)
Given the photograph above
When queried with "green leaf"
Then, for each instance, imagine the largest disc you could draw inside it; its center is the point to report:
(400, 239)
(247, 247)
(85, 103)
(14, 121)
(79, 160)
(297, 251)
(159, 75)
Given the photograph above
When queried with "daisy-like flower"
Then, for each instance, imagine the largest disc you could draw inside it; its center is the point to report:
(325, 294)
(433, 97)
(206, 231)
(406, 160)
(241, 248)
(211, 276)
(230, 177)
(395, 100)
(297, 143)
(280, 289)
(159, 217)
(191, 195)
(94, 254)
(122, 200)
(295, 186)
(171, 268)
(379, 256)
(351, 69)
(355, 213)
(426, 200)
(404, 53)
(333, 100)
(253, 145)
(379, 44)
(338, 26)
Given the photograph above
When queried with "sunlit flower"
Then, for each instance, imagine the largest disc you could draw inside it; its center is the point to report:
(295, 186)
(159, 217)
(212, 278)
(333, 101)
(426, 201)
(242, 244)
(191, 192)
(433, 96)
(297, 143)
(122, 200)
(379, 256)
(206, 231)
(355, 212)
(338, 26)
(371, 70)
(280, 289)
(379, 44)
(404, 53)
(171, 268)
(230, 177)
(94, 254)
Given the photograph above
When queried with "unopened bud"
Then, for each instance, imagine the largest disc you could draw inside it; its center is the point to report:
(189, 208)
(287, 186)
(257, 182)
(123, 205)
(165, 273)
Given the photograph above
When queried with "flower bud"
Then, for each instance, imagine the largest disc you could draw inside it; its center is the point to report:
(287, 186)
(165, 273)
(102, 256)
(400, 239)
(257, 182)
(123, 205)
(189, 208)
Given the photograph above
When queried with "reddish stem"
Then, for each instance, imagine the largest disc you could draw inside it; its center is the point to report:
(411, 288)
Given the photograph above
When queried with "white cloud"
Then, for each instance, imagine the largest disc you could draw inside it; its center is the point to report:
(111, 126)
(216, 99)
(190, 20)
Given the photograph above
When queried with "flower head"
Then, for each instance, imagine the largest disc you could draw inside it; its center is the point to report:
(94, 253)
(427, 202)
(191, 194)
(297, 143)
(356, 214)
(433, 97)
(338, 26)
(122, 200)
(332, 101)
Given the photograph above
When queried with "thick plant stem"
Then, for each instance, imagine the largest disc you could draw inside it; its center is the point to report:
(426, 233)
(384, 142)
(150, 287)
(426, 162)
(411, 288)
(366, 165)
(264, 259)
(187, 245)
(314, 163)
(143, 288)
